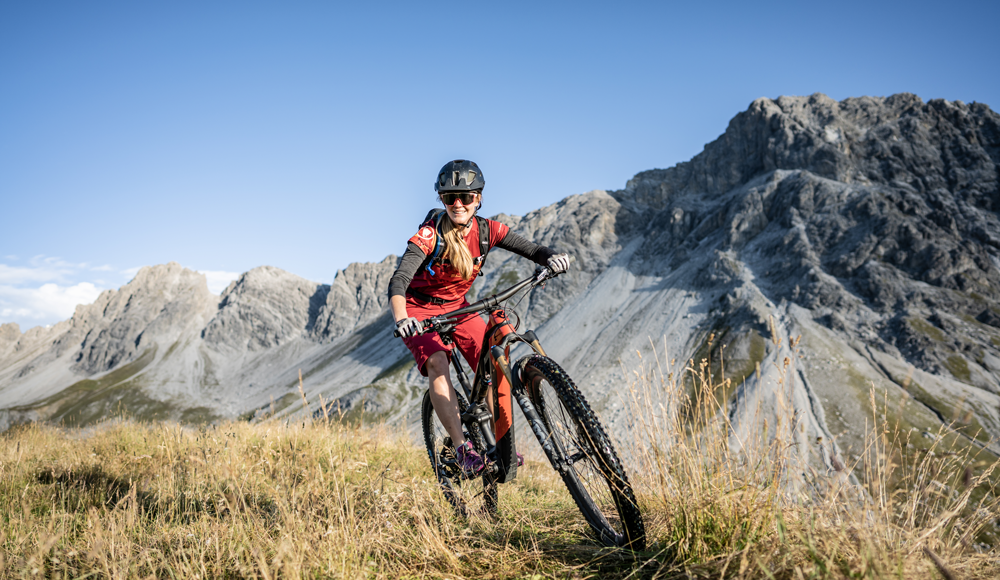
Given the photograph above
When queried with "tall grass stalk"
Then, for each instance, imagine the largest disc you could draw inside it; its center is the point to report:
(287, 499)
(724, 506)
(271, 500)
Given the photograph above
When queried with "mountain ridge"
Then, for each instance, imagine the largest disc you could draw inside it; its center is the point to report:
(868, 228)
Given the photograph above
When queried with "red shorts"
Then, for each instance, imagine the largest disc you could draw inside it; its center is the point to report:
(467, 336)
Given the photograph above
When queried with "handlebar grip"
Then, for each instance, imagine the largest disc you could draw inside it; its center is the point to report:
(395, 333)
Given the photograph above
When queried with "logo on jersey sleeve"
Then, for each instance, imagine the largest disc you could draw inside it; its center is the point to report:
(425, 239)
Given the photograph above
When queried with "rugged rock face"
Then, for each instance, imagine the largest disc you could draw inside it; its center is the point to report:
(879, 214)
(10, 333)
(857, 240)
(357, 296)
(866, 229)
(263, 308)
(119, 325)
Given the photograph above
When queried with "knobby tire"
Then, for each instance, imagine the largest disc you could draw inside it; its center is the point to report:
(434, 439)
(596, 479)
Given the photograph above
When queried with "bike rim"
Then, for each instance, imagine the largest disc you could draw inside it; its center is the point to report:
(436, 442)
(587, 462)
(442, 456)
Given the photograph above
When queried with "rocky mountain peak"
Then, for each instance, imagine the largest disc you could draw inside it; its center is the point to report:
(892, 140)
(358, 295)
(868, 228)
(9, 333)
(115, 328)
(880, 215)
(263, 308)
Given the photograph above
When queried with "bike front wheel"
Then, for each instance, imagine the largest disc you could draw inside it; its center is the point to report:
(590, 469)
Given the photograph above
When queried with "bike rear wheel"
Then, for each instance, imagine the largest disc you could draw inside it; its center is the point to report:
(444, 464)
(593, 473)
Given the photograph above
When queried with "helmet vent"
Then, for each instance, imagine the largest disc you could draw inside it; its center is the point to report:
(455, 178)
(472, 176)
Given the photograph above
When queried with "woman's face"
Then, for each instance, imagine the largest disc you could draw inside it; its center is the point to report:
(459, 212)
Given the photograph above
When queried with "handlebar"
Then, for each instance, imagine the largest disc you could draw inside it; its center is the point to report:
(541, 275)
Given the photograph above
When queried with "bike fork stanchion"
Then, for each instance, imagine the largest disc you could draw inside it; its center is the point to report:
(554, 454)
(538, 427)
(532, 339)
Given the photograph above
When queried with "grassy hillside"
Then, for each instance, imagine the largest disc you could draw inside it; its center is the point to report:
(281, 499)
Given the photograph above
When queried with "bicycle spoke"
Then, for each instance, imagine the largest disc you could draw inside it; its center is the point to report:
(444, 461)
(578, 452)
(593, 473)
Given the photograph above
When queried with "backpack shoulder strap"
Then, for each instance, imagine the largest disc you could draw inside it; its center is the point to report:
(484, 238)
(433, 218)
(432, 215)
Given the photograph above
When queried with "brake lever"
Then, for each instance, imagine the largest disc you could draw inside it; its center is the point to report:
(543, 274)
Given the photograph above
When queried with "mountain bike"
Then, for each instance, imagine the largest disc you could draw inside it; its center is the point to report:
(568, 430)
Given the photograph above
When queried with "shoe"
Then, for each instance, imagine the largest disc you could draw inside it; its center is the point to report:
(472, 463)
(520, 459)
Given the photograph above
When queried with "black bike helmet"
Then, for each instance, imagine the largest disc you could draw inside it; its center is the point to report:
(459, 175)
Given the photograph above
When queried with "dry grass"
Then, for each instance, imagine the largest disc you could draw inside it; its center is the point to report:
(267, 500)
(722, 505)
(288, 500)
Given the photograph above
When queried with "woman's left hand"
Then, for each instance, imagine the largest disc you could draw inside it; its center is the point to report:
(559, 263)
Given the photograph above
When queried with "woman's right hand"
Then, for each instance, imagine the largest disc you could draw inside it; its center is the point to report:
(409, 327)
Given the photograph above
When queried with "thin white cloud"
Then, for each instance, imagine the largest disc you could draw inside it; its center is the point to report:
(46, 289)
(43, 268)
(217, 280)
(17, 275)
(46, 304)
(43, 261)
(130, 273)
(26, 275)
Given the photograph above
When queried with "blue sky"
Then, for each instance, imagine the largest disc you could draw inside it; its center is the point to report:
(307, 135)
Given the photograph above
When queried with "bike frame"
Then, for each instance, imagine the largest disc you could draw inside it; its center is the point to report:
(494, 365)
(494, 432)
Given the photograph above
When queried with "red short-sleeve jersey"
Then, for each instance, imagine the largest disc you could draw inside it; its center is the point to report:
(446, 283)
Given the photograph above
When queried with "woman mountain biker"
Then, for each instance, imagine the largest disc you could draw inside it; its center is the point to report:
(438, 268)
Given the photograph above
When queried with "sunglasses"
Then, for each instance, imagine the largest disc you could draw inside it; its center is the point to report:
(450, 198)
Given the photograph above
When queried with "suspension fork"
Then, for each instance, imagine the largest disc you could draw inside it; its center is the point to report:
(517, 391)
(532, 339)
